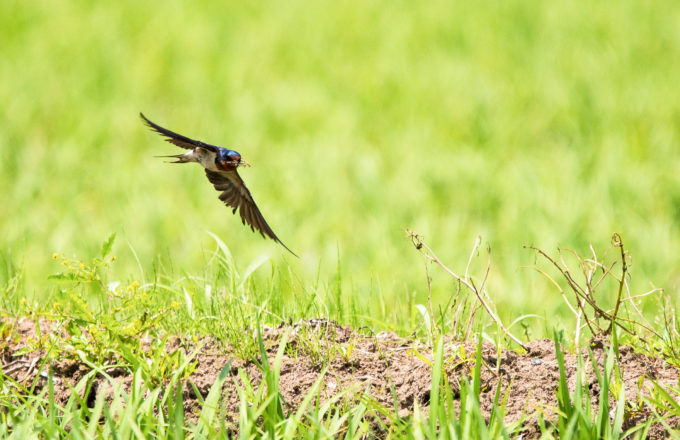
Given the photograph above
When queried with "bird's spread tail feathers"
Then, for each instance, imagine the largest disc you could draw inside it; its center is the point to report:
(181, 158)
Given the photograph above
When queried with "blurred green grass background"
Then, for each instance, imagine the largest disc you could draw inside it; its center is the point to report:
(544, 123)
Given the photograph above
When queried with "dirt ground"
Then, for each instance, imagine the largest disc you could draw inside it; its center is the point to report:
(375, 362)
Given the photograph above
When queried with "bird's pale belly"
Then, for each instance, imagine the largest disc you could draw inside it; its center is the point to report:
(205, 158)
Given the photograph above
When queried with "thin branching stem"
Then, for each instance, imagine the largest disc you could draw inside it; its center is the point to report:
(581, 296)
(618, 241)
(425, 250)
(429, 301)
(585, 292)
(564, 296)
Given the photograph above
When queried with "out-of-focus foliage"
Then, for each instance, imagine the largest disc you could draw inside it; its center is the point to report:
(553, 123)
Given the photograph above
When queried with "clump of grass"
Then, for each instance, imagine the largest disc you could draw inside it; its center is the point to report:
(445, 420)
(664, 403)
(576, 416)
(11, 283)
(99, 322)
(447, 415)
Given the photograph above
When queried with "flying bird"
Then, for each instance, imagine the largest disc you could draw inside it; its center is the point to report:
(220, 167)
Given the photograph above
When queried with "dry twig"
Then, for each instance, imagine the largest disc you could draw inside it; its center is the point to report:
(585, 292)
(480, 292)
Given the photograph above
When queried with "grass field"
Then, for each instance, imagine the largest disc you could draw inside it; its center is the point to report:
(547, 124)
(553, 124)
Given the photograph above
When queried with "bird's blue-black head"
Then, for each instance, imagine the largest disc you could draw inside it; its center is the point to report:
(227, 159)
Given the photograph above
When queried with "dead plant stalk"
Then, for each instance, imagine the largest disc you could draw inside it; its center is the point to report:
(585, 292)
(427, 252)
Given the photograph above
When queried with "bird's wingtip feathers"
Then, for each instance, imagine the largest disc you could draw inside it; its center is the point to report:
(294, 254)
(146, 120)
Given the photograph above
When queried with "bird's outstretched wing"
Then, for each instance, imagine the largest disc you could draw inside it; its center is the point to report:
(236, 195)
(178, 139)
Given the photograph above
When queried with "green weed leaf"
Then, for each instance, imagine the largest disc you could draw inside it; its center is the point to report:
(108, 245)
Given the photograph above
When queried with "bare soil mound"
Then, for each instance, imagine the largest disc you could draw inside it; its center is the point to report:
(365, 361)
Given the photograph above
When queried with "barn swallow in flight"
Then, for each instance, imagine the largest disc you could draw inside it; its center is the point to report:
(220, 167)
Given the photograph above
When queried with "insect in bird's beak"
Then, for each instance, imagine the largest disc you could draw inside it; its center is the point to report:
(243, 163)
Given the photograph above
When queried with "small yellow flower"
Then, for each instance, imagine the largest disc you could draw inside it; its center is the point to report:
(56, 304)
(114, 258)
(82, 266)
(22, 301)
(55, 256)
(174, 305)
